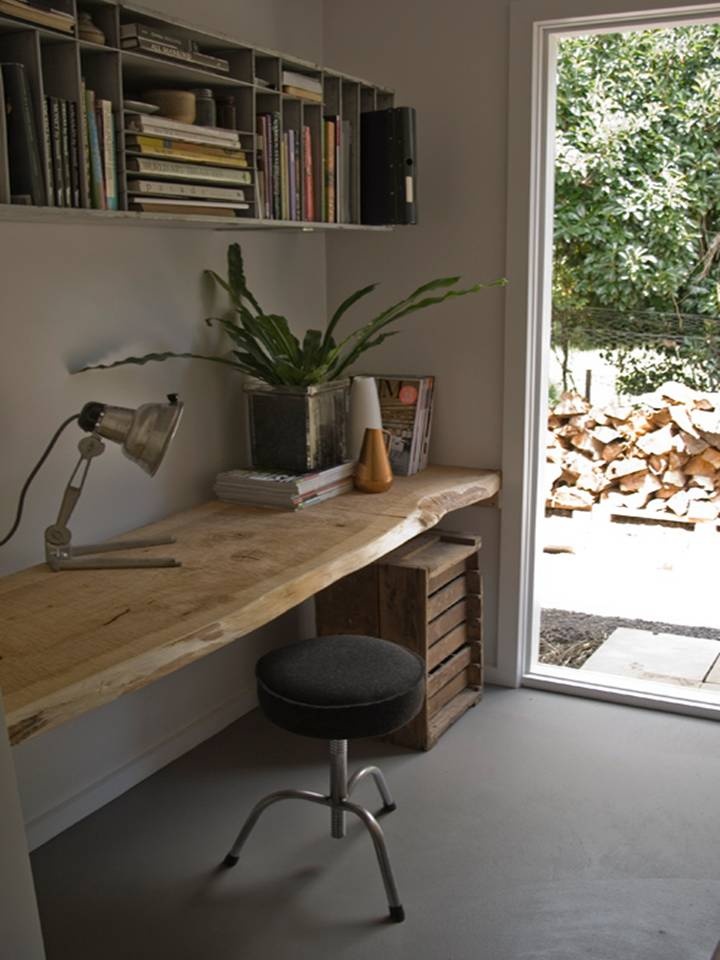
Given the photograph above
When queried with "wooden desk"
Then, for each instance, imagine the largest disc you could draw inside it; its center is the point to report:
(73, 640)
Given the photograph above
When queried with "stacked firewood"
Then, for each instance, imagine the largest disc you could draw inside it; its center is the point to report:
(660, 456)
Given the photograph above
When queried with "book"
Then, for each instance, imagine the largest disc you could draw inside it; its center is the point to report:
(346, 147)
(329, 170)
(301, 81)
(172, 52)
(292, 176)
(85, 172)
(56, 151)
(106, 137)
(284, 203)
(183, 150)
(309, 188)
(178, 208)
(425, 449)
(143, 31)
(182, 205)
(197, 191)
(302, 94)
(187, 171)
(4, 172)
(176, 130)
(47, 140)
(55, 19)
(74, 146)
(27, 179)
(97, 176)
(65, 152)
(401, 416)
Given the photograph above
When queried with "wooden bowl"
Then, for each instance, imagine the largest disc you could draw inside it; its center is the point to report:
(175, 104)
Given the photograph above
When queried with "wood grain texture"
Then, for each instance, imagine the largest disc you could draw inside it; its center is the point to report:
(71, 641)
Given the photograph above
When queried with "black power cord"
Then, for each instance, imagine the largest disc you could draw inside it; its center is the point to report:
(38, 465)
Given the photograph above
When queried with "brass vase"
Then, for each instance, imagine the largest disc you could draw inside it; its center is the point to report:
(373, 473)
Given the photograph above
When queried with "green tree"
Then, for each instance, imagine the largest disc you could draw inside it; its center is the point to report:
(637, 210)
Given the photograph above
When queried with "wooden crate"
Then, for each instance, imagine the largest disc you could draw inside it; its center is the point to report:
(426, 596)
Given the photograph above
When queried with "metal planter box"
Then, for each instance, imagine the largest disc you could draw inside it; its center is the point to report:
(298, 429)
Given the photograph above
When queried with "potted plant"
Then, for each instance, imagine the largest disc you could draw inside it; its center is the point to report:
(298, 392)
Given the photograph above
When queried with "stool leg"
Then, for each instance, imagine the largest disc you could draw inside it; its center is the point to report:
(232, 858)
(338, 786)
(396, 909)
(380, 782)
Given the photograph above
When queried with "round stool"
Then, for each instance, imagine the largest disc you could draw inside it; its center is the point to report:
(340, 688)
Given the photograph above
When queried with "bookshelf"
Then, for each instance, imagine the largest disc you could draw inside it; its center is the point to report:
(59, 65)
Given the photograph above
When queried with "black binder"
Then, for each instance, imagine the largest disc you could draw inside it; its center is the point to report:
(388, 166)
(27, 182)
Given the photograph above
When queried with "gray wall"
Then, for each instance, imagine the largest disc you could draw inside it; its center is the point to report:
(76, 294)
(450, 61)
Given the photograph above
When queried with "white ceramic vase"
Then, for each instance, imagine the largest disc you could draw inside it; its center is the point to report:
(364, 412)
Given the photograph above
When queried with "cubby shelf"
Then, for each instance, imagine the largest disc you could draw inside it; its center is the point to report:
(56, 62)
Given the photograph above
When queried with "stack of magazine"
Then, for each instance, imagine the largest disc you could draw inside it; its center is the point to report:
(406, 406)
(284, 491)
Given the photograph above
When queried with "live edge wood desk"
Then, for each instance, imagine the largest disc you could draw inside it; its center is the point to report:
(73, 640)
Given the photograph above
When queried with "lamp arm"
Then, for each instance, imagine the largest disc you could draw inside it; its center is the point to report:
(89, 447)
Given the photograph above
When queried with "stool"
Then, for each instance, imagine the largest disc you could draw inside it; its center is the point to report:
(340, 688)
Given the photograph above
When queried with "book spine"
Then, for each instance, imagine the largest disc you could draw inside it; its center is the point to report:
(4, 171)
(74, 153)
(47, 140)
(56, 139)
(130, 30)
(188, 171)
(308, 198)
(329, 171)
(276, 164)
(65, 146)
(176, 53)
(27, 181)
(86, 145)
(186, 190)
(292, 175)
(108, 154)
(96, 170)
(425, 454)
(297, 167)
(161, 127)
(284, 212)
(268, 167)
(339, 184)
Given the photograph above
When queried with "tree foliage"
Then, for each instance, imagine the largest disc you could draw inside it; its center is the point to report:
(637, 210)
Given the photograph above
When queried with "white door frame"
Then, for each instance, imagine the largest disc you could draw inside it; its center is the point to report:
(535, 27)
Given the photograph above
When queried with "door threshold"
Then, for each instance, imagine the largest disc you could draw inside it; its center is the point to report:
(672, 698)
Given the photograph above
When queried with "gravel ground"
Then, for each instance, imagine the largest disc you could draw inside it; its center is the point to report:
(568, 638)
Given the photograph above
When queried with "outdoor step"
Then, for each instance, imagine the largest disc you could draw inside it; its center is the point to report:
(665, 657)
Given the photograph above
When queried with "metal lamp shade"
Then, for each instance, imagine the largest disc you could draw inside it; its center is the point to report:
(144, 434)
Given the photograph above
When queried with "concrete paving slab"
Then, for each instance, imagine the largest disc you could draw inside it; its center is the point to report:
(668, 657)
(714, 675)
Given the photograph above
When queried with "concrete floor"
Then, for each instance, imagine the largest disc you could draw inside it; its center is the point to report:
(541, 827)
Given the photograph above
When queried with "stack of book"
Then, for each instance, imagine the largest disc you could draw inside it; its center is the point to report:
(40, 12)
(302, 86)
(144, 39)
(406, 407)
(186, 169)
(283, 491)
(285, 171)
(337, 169)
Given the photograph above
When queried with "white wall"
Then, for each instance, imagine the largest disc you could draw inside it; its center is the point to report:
(73, 294)
(449, 60)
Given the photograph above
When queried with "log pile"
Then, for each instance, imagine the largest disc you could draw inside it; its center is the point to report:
(660, 456)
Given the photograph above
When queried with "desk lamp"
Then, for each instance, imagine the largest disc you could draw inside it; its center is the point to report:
(144, 435)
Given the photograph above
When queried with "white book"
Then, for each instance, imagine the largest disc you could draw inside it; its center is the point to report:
(175, 129)
(107, 148)
(160, 189)
(187, 171)
(301, 80)
(175, 202)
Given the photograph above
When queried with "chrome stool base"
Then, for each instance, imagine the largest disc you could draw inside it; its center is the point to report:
(339, 802)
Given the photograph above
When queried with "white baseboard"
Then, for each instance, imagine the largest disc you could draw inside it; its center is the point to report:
(49, 823)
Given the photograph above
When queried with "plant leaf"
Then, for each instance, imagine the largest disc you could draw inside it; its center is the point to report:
(151, 357)
(236, 276)
(344, 306)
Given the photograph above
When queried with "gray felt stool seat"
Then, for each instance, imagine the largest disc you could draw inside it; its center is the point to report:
(340, 688)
